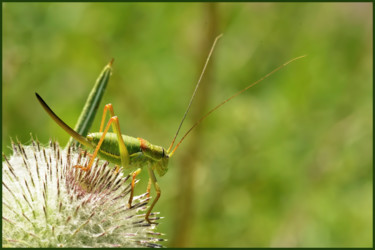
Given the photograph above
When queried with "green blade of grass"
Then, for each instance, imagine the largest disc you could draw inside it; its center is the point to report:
(90, 109)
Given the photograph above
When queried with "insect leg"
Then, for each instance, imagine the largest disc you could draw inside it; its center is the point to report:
(124, 155)
(135, 173)
(106, 108)
(158, 192)
(149, 187)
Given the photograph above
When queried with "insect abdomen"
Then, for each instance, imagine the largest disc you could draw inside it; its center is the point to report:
(110, 147)
(140, 151)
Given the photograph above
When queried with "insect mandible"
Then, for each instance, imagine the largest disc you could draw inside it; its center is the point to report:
(134, 153)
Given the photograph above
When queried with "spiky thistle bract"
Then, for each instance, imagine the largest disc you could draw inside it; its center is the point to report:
(49, 203)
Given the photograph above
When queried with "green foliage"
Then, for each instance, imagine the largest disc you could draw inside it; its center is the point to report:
(88, 113)
(288, 163)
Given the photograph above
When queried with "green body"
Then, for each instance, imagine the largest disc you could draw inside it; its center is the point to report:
(133, 153)
(139, 153)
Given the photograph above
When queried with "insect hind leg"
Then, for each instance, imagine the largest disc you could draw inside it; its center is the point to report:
(107, 107)
(124, 155)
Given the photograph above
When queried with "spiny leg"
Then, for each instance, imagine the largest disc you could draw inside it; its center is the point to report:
(124, 155)
(149, 187)
(106, 108)
(135, 173)
(158, 192)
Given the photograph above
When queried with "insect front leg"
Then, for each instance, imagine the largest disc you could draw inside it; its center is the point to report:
(135, 173)
(158, 192)
(149, 187)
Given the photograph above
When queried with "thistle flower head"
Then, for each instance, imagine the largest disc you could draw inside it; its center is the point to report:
(47, 202)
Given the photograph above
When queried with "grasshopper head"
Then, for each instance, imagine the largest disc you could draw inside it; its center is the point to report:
(158, 154)
(161, 166)
(161, 159)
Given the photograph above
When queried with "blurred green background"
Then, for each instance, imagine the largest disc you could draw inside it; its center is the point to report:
(287, 163)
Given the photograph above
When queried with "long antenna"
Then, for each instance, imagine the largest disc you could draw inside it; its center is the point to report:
(195, 90)
(230, 98)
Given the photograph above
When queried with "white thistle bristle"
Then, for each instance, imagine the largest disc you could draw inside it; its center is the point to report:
(47, 202)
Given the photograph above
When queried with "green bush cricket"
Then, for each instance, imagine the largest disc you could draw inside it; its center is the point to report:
(133, 153)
